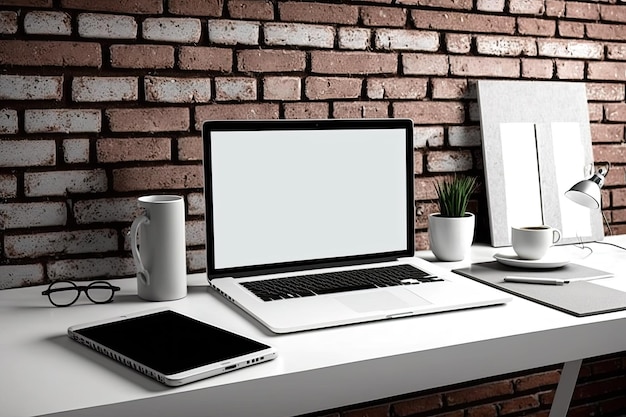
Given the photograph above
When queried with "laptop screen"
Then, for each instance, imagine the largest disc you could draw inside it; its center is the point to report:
(292, 194)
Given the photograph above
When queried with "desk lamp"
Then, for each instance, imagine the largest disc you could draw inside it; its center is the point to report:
(587, 192)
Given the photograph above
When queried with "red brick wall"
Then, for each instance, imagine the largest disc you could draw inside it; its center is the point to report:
(102, 101)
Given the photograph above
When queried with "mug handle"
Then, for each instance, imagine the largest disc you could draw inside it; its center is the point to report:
(556, 235)
(142, 273)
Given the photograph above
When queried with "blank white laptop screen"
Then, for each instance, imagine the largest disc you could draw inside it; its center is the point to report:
(299, 193)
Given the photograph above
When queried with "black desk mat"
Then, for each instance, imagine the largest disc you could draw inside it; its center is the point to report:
(578, 298)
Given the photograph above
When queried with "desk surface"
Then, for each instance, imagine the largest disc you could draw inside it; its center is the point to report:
(43, 372)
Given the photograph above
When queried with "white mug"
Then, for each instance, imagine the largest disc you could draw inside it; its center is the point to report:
(532, 242)
(161, 257)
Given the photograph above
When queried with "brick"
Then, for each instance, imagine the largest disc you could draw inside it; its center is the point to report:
(298, 34)
(449, 88)
(397, 88)
(195, 233)
(425, 64)
(62, 121)
(406, 40)
(606, 71)
(31, 87)
(613, 13)
(251, 9)
(8, 22)
(179, 177)
(526, 7)
(177, 90)
(15, 276)
(94, 268)
(160, 119)
(66, 242)
(490, 5)
(235, 111)
(424, 404)
(535, 27)
(464, 136)
(25, 153)
(211, 8)
(616, 52)
(458, 43)
(447, 4)
(312, 12)
(235, 89)
(571, 29)
(570, 70)
(196, 260)
(537, 68)
(119, 6)
(28, 3)
(61, 183)
(596, 112)
(536, 380)
(418, 162)
(306, 110)
(605, 92)
(354, 38)
(570, 49)
(484, 66)
(105, 210)
(142, 56)
(324, 88)
(505, 45)
(478, 392)
(8, 186)
(615, 112)
(607, 133)
(555, 8)
(425, 112)
(383, 16)
(282, 88)
(106, 26)
(275, 60)
(446, 161)
(233, 32)
(75, 151)
(580, 10)
(362, 109)
(463, 22)
(605, 32)
(8, 122)
(205, 58)
(195, 204)
(99, 89)
(163, 29)
(32, 214)
(372, 411)
(50, 53)
(190, 148)
(133, 149)
(47, 23)
(352, 62)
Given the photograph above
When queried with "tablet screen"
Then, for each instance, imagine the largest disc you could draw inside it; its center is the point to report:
(169, 342)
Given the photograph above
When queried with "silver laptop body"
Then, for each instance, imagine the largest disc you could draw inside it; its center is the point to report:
(289, 198)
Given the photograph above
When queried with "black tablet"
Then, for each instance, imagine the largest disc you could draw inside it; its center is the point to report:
(171, 347)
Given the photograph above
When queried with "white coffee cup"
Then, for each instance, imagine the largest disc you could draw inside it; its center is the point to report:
(161, 257)
(532, 242)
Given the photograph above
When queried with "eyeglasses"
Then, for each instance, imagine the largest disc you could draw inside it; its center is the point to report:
(65, 293)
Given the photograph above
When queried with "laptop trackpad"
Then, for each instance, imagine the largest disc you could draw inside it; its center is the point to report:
(378, 300)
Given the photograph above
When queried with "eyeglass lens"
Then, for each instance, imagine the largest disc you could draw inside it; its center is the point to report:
(100, 292)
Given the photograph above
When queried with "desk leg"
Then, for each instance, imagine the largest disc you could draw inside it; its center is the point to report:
(565, 388)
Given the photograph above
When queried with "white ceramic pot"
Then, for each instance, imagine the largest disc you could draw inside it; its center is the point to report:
(451, 237)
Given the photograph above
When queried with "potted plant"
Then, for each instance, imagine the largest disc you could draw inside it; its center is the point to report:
(451, 231)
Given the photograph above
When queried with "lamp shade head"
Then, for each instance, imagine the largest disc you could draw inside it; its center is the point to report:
(586, 193)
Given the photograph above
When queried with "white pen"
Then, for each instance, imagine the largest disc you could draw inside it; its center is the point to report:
(536, 280)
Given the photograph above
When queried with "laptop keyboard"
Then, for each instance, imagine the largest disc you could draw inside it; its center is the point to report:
(335, 282)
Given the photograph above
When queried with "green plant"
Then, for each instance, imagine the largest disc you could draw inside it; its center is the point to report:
(453, 194)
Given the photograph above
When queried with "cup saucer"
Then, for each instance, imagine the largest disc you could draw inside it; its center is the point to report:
(550, 260)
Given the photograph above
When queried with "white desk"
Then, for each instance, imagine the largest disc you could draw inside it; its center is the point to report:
(43, 372)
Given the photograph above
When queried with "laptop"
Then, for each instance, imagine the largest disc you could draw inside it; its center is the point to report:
(304, 217)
